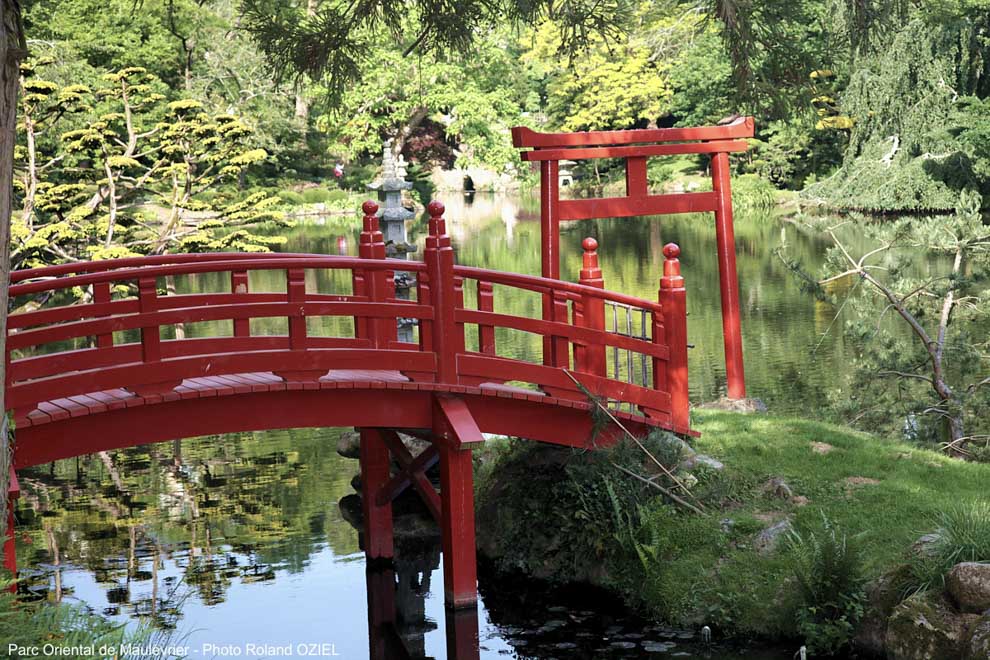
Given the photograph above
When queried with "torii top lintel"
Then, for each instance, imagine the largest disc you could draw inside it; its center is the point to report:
(636, 146)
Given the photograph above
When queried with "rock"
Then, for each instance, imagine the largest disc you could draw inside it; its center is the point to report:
(925, 626)
(979, 639)
(777, 487)
(926, 545)
(768, 540)
(356, 482)
(800, 500)
(736, 405)
(349, 444)
(696, 460)
(882, 596)
(969, 585)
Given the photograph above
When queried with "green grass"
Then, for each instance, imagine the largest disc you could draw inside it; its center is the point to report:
(725, 582)
(915, 485)
(693, 570)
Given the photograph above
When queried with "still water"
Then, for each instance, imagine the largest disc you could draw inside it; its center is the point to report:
(230, 541)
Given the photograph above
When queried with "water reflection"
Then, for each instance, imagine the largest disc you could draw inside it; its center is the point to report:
(250, 538)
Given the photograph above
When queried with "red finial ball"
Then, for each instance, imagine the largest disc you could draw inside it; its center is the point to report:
(589, 244)
(370, 207)
(671, 250)
(435, 209)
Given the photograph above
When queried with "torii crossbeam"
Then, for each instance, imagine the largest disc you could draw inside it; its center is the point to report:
(636, 146)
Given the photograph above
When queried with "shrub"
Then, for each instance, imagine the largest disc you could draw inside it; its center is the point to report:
(291, 197)
(963, 534)
(828, 566)
(315, 195)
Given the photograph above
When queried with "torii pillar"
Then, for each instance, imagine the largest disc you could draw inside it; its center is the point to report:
(636, 146)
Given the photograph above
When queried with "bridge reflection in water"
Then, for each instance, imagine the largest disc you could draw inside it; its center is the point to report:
(95, 374)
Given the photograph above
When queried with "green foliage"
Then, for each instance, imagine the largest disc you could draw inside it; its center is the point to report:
(908, 148)
(117, 171)
(961, 534)
(330, 44)
(610, 86)
(829, 571)
(63, 626)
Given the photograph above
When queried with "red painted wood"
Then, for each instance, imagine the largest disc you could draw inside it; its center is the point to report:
(624, 207)
(460, 571)
(562, 329)
(741, 127)
(486, 303)
(672, 297)
(674, 149)
(728, 279)
(378, 537)
(439, 258)
(591, 358)
(412, 472)
(239, 287)
(456, 424)
(636, 182)
(550, 221)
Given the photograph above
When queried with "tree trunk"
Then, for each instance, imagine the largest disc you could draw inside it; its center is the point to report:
(12, 50)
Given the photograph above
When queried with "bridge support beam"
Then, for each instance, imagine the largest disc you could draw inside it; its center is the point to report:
(456, 432)
(378, 539)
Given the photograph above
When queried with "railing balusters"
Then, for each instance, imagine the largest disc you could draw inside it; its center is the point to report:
(151, 349)
(486, 303)
(101, 294)
(295, 286)
(239, 286)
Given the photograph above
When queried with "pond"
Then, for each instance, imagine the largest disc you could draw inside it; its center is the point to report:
(247, 539)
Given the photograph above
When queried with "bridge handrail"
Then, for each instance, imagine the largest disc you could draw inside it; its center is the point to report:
(269, 262)
(79, 267)
(572, 327)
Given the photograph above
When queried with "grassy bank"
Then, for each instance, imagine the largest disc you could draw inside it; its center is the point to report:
(859, 500)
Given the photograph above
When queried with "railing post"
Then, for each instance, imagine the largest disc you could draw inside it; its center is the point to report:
(239, 286)
(439, 259)
(151, 342)
(486, 303)
(381, 331)
(674, 304)
(725, 243)
(101, 294)
(591, 359)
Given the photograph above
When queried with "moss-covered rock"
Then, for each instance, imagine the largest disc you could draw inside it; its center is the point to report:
(979, 640)
(882, 596)
(969, 585)
(926, 626)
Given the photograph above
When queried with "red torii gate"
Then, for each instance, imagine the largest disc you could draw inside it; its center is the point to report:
(635, 146)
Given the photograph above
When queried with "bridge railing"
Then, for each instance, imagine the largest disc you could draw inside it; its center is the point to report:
(94, 328)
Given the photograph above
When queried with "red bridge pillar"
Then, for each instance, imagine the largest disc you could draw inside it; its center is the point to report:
(378, 539)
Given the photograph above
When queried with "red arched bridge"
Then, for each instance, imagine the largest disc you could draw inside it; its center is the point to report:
(88, 368)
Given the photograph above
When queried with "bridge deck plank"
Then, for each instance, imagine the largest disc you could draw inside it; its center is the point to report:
(94, 403)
